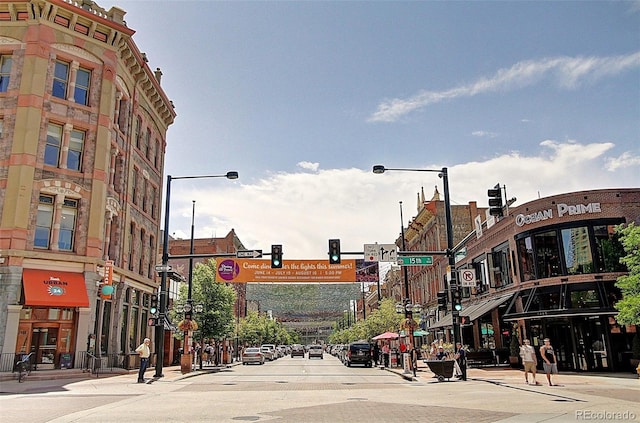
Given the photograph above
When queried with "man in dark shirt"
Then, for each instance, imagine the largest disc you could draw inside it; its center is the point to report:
(461, 359)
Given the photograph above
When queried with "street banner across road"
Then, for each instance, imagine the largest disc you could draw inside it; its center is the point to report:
(235, 270)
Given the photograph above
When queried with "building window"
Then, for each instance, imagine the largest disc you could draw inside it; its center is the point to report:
(547, 254)
(608, 249)
(76, 144)
(138, 131)
(5, 72)
(81, 91)
(577, 250)
(68, 224)
(480, 265)
(500, 266)
(54, 142)
(60, 80)
(44, 222)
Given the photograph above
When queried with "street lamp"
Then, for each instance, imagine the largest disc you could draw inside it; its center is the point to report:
(453, 285)
(163, 297)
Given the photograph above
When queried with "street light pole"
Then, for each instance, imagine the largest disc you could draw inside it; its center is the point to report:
(408, 311)
(453, 284)
(163, 296)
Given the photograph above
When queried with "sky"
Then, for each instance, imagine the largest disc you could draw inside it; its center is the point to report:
(302, 98)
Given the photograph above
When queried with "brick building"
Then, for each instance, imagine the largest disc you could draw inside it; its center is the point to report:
(83, 122)
(548, 269)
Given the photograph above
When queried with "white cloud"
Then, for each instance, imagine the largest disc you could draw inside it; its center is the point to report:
(567, 72)
(309, 166)
(626, 159)
(303, 210)
(484, 134)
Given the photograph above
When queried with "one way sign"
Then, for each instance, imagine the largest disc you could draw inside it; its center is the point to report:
(249, 254)
(380, 252)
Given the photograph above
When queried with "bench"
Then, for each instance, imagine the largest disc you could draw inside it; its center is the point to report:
(481, 358)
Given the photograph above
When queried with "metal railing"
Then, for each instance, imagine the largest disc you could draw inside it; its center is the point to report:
(84, 360)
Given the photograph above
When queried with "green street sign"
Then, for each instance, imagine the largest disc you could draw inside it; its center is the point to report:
(415, 260)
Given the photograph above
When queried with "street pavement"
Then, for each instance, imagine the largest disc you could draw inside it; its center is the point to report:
(270, 393)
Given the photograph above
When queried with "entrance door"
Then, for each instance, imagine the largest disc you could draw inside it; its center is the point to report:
(562, 340)
(44, 342)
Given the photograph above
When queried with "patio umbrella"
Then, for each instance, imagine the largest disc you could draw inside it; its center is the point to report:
(386, 335)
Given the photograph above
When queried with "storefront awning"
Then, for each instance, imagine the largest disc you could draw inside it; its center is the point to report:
(54, 289)
(559, 314)
(478, 310)
(446, 321)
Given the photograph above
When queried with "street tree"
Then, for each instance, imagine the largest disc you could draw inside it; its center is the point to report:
(629, 306)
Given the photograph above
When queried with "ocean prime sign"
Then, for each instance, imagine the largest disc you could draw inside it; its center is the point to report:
(560, 210)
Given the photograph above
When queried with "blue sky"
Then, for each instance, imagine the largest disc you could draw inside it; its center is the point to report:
(302, 98)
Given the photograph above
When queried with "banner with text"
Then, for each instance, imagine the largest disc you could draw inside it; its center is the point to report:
(235, 270)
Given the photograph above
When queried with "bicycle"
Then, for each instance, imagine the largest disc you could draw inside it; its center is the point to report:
(23, 367)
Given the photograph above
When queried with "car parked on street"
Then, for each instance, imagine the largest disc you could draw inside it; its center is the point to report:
(359, 353)
(316, 351)
(252, 355)
(297, 350)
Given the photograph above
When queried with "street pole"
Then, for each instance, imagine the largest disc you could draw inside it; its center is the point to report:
(453, 284)
(163, 295)
(408, 312)
(187, 316)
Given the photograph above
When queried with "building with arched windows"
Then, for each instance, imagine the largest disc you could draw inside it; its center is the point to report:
(83, 123)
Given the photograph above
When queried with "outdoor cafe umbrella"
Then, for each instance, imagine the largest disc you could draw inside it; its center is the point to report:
(386, 335)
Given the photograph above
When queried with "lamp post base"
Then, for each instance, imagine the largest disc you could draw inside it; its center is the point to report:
(185, 363)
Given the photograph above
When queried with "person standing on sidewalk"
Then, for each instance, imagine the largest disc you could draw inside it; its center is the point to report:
(144, 352)
(550, 365)
(529, 360)
(461, 359)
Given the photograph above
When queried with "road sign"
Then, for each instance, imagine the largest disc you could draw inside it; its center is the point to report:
(163, 268)
(468, 278)
(249, 254)
(415, 260)
(381, 252)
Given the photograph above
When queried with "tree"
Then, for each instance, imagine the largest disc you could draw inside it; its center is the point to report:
(629, 306)
(217, 318)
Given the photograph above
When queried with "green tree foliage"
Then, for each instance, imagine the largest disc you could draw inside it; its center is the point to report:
(257, 329)
(629, 306)
(384, 319)
(217, 318)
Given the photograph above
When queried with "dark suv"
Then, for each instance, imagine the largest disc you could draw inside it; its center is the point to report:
(359, 353)
(297, 349)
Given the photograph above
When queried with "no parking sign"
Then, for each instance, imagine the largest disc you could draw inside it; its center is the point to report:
(468, 278)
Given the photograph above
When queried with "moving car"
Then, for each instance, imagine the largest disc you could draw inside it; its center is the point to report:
(315, 351)
(297, 350)
(252, 355)
(359, 353)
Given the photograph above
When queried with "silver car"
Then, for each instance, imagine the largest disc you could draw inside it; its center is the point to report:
(252, 355)
(316, 351)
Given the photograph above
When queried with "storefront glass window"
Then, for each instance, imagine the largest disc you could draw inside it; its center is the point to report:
(123, 329)
(608, 249)
(577, 251)
(585, 299)
(547, 254)
(133, 329)
(67, 314)
(54, 313)
(500, 266)
(525, 255)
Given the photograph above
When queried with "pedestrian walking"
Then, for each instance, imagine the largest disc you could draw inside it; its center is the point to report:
(548, 355)
(385, 354)
(144, 352)
(461, 358)
(530, 361)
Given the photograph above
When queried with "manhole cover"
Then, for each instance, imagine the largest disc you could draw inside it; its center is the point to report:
(247, 418)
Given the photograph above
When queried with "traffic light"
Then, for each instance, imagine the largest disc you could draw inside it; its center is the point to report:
(457, 300)
(442, 300)
(465, 320)
(334, 251)
(152, 321)
(276, 256)
(153, 306)
(495, 201)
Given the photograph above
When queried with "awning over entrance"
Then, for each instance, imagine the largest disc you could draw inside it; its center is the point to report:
(54, 289)
(478, 310)
(442, 323)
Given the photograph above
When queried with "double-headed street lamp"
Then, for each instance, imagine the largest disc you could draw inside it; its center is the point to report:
(453, 285)
(163, 297)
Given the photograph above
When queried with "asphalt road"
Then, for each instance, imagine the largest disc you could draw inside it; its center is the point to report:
(302, 390)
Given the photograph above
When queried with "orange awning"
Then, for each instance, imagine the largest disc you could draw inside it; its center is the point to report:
(54, 289)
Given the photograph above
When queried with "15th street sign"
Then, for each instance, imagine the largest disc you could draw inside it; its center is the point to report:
(415, 260)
